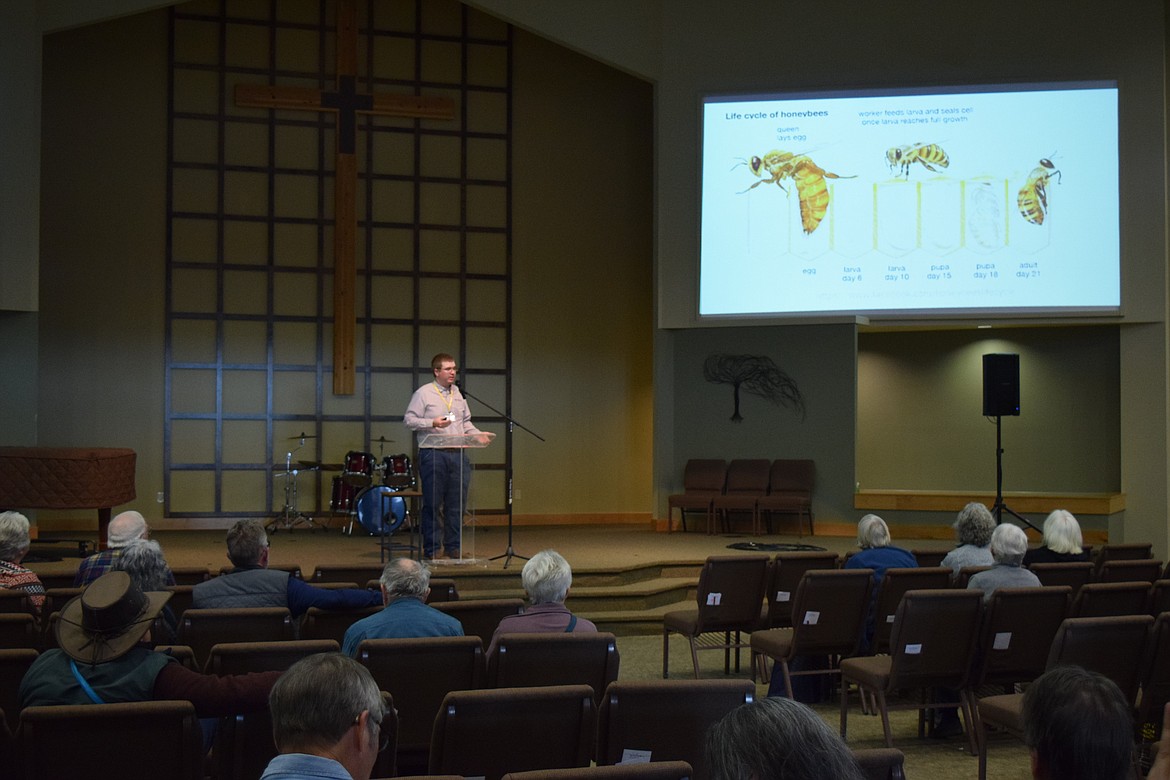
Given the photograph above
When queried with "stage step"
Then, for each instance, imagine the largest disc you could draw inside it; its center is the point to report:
(627, 601)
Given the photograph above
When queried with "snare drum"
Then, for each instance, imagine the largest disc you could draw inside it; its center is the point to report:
(343, 495)
(397, 472)
(359, 468)
(379, 510)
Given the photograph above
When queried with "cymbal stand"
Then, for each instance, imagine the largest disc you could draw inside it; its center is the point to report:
(290, 517)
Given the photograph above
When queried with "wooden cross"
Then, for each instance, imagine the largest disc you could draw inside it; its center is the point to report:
(347, 103)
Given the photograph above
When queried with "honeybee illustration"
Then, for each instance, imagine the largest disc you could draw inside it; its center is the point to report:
(1033, 197)
(776, 166)
(902, 157)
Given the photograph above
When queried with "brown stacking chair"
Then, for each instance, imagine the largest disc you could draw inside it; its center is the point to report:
(18, 629)
(1155, 683)
(278, 656)
(784, 578)
(14, 601)
(929, 558)
(7, 744)
(481, 617)
(1075, 574)
(475, 733)
(1019, 625)
(828, 619)
(57, 579)
(1101, 599)
(523, 660)
(966, 573)
(421, 672)
(332, 623)
(1106, 645)
(167, 741)
(651, 770)
(667, 718)
(200, 629)
(703, 479)
(190, 575)
(932, 646)
(243, 743)
(1130, 571)
(790, 489)
(14, 662)
(747, 482)
(181, 599)
(1129, 551)
(895, 584)
(344, 572)
(881, 763)
(730, 598)
(56, 598)
(1159, 597)
(442, 589)
(181, 653)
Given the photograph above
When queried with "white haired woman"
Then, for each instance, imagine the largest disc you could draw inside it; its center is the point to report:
(14, 543)
(873, 537)
(973, 529)
(1008, 545)
(1062, 541)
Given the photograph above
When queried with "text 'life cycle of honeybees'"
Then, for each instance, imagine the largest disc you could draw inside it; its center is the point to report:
(985, 199)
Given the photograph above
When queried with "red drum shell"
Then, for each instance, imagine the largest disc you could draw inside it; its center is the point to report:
(359, 468)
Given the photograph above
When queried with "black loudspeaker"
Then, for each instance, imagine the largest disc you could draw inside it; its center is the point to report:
(1001, 385)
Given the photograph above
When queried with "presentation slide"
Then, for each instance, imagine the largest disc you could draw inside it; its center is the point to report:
(979, 200)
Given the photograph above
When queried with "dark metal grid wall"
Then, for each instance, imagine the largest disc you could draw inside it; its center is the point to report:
(313, 421)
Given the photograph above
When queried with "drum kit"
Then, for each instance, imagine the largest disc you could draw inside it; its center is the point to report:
(374, 504)
(355, 493)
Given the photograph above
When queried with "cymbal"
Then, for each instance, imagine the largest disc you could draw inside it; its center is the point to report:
(307, 465)
(302, 436)
(382, 439)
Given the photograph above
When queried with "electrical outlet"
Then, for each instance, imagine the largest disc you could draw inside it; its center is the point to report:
(160, 497)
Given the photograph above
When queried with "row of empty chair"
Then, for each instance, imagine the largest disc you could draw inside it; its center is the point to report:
(757, 487)
(739, 594)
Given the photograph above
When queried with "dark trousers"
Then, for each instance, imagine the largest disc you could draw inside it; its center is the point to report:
(445, 475)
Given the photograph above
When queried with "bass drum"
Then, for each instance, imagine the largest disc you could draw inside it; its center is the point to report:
(380, 510)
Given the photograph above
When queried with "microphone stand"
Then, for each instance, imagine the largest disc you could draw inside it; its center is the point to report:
(510, 553)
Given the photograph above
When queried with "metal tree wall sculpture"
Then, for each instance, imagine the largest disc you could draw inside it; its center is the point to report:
(757, 375)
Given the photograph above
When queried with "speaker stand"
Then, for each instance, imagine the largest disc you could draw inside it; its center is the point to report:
(1000, 505)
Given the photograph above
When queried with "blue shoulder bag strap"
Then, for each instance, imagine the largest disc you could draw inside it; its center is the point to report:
(572, 624)
(85, 686)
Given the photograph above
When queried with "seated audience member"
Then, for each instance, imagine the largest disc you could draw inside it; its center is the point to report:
(14, 544)
(326, 719)
(405, 585)
(124, 528)
(143, 560)
(1008, 545)
(252, 584)
(777, 739)
(1062, 541)
(1078, 726)
(546, 579)
(873, 537)
(105, 656)
(973, 529)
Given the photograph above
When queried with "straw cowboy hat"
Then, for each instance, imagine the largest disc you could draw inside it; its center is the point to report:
(108, 619)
